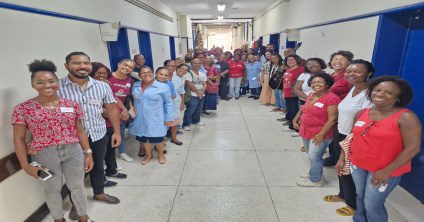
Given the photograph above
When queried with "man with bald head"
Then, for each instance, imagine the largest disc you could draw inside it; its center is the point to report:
(139, 62)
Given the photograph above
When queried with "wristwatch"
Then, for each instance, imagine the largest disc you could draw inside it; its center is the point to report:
(87, 151)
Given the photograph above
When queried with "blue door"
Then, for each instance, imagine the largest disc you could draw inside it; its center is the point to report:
(145, 48)
(172, 47)
(399, 51)
(275, 40)
(119, 50)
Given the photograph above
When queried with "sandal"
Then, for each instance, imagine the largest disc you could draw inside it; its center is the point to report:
(302, 149)
(333, 198)
(346, 211)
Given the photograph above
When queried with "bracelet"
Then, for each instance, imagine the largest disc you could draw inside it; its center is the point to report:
(87, 151)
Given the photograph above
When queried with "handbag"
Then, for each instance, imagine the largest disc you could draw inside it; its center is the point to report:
(275, 80)
(187, 94)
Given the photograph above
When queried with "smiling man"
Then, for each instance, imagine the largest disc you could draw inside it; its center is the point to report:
(92, 95)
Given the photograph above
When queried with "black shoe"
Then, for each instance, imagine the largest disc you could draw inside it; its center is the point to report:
(179, 143)
(73, 215)
(329, 162)
(109, 183)
(165, 152)
(256, 98)
(281, 119)
(250, 96)
(237, 97)
(117, 176)
(206, 112)
(141, 154)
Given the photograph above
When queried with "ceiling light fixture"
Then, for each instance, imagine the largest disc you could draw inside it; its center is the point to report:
(221, 7)
(220, 17)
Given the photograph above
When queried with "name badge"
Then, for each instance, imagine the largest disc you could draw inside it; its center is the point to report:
(66, 109)
(95, 102)
(320, 105)
(359, 123)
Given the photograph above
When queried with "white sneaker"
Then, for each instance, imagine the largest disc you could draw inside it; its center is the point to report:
(187, 128)
(305, 182)
(118, 167)
(125, 157)
(295, 134)
(200, 124)
(287, 130)
(304, 175)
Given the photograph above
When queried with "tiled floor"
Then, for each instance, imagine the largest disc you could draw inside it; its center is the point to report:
(241, 166)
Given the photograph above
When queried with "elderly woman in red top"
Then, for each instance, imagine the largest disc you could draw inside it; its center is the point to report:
(293, 71)
(237, 73)
(59, 140)
(339, 62)
(318, 116)
(385, 139)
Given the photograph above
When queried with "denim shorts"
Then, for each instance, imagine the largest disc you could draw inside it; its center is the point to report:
(151, 140)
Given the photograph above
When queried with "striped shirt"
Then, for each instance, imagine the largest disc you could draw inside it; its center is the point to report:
(91, 100)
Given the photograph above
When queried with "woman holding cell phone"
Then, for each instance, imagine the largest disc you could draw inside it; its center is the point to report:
(59, 140)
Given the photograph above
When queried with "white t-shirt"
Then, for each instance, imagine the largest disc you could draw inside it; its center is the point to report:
(179, 89)
(348, 108)
(305, 88)
(196, 80)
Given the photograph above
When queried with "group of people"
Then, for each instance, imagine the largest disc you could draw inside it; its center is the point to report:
(370, 135)
(78, 121)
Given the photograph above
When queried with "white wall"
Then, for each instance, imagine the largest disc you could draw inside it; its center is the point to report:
(283, 41)
(111, 11)
(26, 37)
(133, 42)
(298, 13)
(265, 40)
(160, 49)
(324, 40)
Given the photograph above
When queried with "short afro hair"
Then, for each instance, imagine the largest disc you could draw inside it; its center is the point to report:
(296, 57)
(329, 81)
(42, 65)
(406, 94)
(320, 61)
(370, 68)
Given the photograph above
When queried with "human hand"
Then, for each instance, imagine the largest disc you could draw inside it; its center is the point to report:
(89, 163)
(30, 149)
(124, 115)
(317, 139)
(32, 170)
(116, 140)
(340, 167)
(380, 177)
(296, 125)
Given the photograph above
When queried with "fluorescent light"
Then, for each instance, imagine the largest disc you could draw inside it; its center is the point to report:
(221, 7)
(220, 17)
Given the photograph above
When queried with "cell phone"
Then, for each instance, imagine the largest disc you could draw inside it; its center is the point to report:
(43, 174)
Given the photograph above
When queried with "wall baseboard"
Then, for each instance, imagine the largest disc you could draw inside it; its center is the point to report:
(9, 165)
(43, 210)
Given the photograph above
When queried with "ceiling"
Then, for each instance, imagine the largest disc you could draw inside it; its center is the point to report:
(207, 9)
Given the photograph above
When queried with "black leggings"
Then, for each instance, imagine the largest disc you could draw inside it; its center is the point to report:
(346, 184)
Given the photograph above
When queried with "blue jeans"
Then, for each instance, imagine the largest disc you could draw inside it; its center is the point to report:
(122, 148)
(235, 87)
(279, 101)
(369, 200)
(193, 111)
(315, 154)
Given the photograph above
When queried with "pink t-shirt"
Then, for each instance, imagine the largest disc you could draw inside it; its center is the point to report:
(289, 80)
(121, 88)
(314, 116)
(49, 128)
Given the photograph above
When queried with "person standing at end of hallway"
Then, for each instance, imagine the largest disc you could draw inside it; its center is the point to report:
(253, 69)
(237, 73)
(92, 95)
(267, 95)
(224, 70)
(196, 81)
(212, 86)
(139, 62)
(269, 48)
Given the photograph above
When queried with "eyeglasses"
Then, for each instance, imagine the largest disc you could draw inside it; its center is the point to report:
(40, 83)
(149, 73)
(101, 73)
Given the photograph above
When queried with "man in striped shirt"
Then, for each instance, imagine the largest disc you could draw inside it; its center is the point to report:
(92, 96)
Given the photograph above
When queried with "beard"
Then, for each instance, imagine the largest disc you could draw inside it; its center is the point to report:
(79, 76)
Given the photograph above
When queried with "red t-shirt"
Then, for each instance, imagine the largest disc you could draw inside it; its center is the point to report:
(377, 144)
(340, 87)
(314, 116)
(214, 87)
(236, 69)
(289, 80)
(121, 88)
(49, 128)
